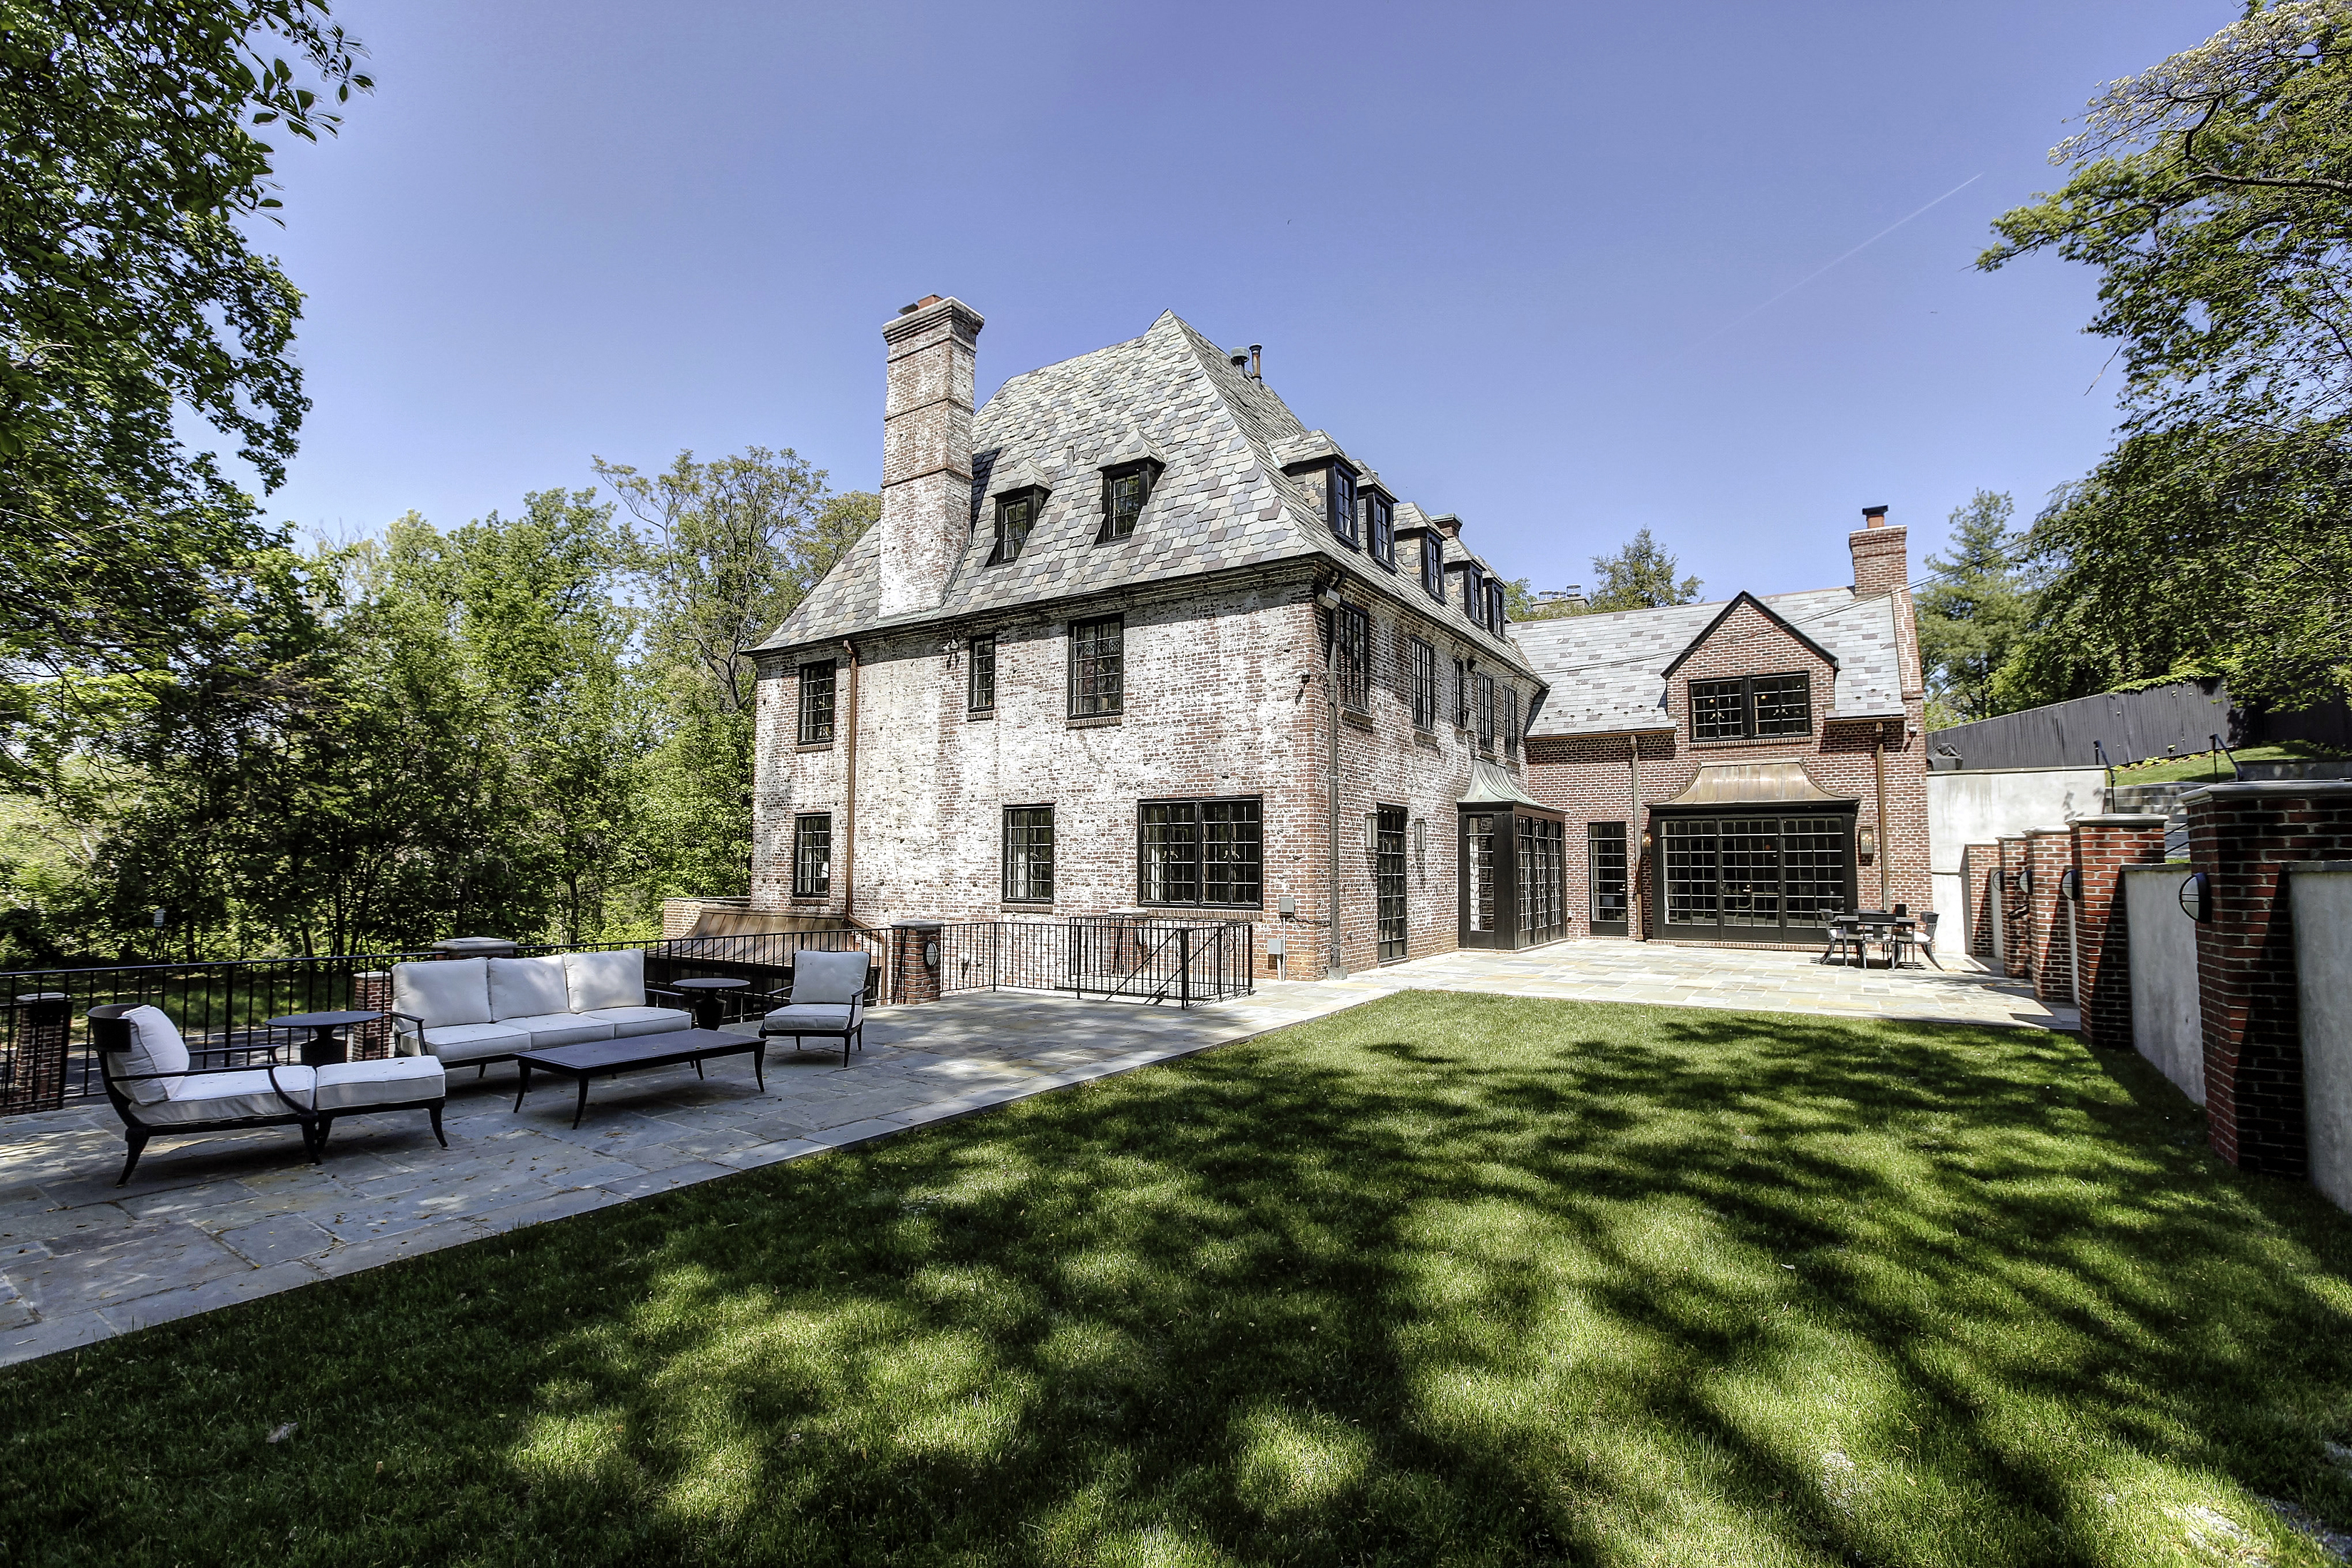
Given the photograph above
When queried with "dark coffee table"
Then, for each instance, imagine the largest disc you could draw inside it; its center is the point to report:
(610, 1058)
(707, 1004)
(322, 1047)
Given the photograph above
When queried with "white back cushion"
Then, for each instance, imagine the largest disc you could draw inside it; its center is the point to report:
(155, 1047)
(828, 976)
(443, 991)
(604, 979)
(528, 987)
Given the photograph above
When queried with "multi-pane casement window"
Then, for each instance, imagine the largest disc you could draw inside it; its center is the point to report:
(1487, 714)
(1380, 525)
(980, 689)
(1028, 854)
(812, 855)
(1493, 606)
(1474, 595)
(1098, 668)
(1125, 489)
(1424, 686)
(1461, 694)
(1339, 502)
(1510, 721)
(816, 704)
(1751, 707)
(1198, 852)
(1351, 659)
(1016, 514)
(1432, 565)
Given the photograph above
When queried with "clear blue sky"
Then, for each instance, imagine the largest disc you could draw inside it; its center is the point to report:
(1529, 262)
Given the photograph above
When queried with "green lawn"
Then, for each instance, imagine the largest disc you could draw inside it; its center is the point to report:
(2204, 767)
(1444, 1280)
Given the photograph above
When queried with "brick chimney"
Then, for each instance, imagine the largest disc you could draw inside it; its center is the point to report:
(926, 451)
(1447, 524)
(1882, 561)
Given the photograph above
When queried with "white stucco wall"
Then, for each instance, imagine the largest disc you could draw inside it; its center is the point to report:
(1978, 806)
(2321, 892)
(2166, 1026)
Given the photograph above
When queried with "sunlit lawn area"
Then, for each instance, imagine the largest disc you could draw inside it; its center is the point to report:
(1443, 1280)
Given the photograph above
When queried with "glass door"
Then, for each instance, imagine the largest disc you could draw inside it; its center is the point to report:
(1607, 883)
(1771, 879)
(1388, 880)
(1478, 872)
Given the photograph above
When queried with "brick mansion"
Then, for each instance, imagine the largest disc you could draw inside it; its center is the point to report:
(1132, 638)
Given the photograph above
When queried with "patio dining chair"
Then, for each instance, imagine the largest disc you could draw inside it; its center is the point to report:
(1846, 932)
(827, 999)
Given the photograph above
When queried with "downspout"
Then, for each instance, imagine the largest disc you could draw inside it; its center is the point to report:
(1335, 968)
(849, 809)
(1885, 838)
(1635, 926)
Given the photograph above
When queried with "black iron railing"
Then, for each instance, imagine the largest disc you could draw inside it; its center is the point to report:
(1146, 960)
(222, 1008)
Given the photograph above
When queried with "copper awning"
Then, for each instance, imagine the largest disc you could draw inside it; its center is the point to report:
(1490, 786)
(1754, 784)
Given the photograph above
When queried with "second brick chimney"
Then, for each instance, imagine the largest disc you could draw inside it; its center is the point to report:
(926, 451)
(1882, 561)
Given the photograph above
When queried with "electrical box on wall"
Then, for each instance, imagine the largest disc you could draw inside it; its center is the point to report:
(1275, 946)
(1287, 907)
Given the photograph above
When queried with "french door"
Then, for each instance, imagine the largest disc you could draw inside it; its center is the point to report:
(1759, 877)
(1387, 877)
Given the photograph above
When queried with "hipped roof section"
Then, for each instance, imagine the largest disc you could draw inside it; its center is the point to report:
(1222, 504)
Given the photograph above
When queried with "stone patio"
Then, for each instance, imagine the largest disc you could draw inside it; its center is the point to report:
(223, 1218)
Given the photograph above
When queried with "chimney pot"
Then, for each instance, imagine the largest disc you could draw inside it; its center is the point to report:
(1874, 517)
(1258, 369)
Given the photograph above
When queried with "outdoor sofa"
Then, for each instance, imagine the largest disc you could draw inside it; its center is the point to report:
(482, 1010)
(150, 1078)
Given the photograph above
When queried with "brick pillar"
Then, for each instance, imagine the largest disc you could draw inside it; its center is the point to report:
(2048, 851)
(2242, 836)
(2016, 953)
(915, 960)
(1980, 878)
(371, 993)
(38, 1082)
(2103, 846)
(678, 916)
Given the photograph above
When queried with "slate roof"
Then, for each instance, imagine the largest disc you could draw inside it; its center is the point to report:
(1221, 502)
(1607, 671)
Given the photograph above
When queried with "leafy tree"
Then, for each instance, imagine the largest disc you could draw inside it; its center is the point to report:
(2214, 195)
(724, 550)
(127, 291)
(1974, 614)
(1639, 576)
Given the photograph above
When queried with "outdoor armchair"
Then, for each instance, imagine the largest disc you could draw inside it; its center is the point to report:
(827, 999)
(155, 1089)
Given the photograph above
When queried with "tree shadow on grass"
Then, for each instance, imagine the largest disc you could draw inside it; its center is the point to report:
(1444, 1278)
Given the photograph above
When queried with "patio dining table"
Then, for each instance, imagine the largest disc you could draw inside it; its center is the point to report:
(1882, 926)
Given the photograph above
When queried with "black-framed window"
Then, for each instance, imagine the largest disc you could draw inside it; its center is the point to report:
(1125, 489)
(1097, 667)
(816, 703)
(1380, 521)
(1339, 498)
(1487, 714)
(1425, 685)
(811, 854)
(1432, 565)
(980, 691)
(1352, 661)
(1493, 606)
(1016, 514)
(1028, 854)
(1751, 707)
(1474, 595)
(1461, 694)
(1510, 720)
(1199, 852)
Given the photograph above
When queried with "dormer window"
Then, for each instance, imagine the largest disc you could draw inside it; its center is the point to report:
(1493, 620)
(1339, 502)
(1432, 565)
(1379, 521)
(1470, 595)
(1125, 489)
(1016, 514)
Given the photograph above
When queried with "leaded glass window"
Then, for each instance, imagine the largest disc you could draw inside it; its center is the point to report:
(1098, 668)
(1352, 660)
(816, 703)
(1425, 685)
(1199, 852)
(812, 855)
(981, 697)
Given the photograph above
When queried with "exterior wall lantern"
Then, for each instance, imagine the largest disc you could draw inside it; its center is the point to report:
(1372, 833)
(2070, 885)
(2197, 897)
(1866, 842)
(930, 955)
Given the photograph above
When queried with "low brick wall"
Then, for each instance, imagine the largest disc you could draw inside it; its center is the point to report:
(2103, 847)
(1980, 917)
(2050, 851)
(2016, 934)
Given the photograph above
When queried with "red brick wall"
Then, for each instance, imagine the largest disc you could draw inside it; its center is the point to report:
(2103, 846)
(1981, 876)
(2242, 836)
(2050, 851)
(2016, 947)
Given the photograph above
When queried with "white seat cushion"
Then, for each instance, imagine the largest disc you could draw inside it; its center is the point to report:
(444, 991)
(232, 1096)
(155, 1047)
(829, 976)
(470, 1042)
(355, 1085)
(627, 1021)
(599, 981)
(528, 987)
(818, 1018)
(560, 1029)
